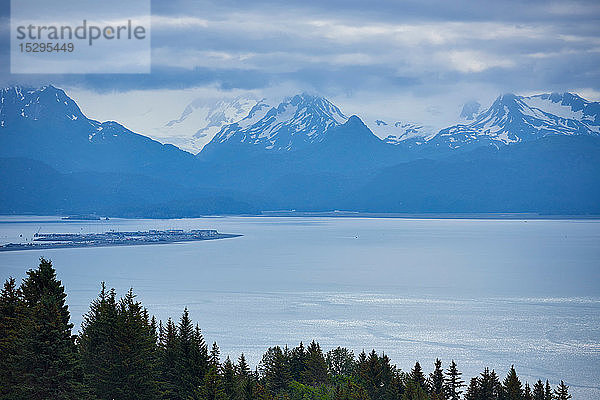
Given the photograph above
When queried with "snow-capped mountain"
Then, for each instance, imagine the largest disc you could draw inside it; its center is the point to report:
(399, 131)
(47, 106)
(19, 104)
(47, 125)
(296, 122)
(202, 119)
(514, 119)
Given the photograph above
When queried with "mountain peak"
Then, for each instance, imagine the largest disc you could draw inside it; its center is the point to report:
(22, 90)
(506, 99)
(19, 103)
(354, 120)
(297, 121)
(303, 97)
(353, 130)
(557, 97)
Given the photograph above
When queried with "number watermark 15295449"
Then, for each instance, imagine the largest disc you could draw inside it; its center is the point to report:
(80, 36)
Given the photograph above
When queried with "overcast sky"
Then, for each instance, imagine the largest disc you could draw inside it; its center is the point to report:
(418, 60)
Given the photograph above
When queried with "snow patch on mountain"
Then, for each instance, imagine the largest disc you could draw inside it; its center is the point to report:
(17, 103)
(513, 119)
(202, 119)
(295, 122)
(399, 131)
(567, 106)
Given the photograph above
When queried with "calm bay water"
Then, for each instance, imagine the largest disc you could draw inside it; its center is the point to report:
(484, 292)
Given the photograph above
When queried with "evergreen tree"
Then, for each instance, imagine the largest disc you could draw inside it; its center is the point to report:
(512, 388)
(370, 374)
(414, 391)
(213, 384)
(244, 380)
(340, 361)
(399, 383)
(547, 391)
(379, 378)
(47, 357)
(98, 345)
(243, 369)
(316, 366)
(562, 392)
(298, 359)
(248, 387)
(274, 368)
(538, 391)
(391, 387)
(416, 374)
(453, 383)
(473, 392)
(527, 395)
(199, 355)
(349, 390)
(489, 386)
(212, 388)
(11, 314)
(261, 393)
(436, 381)
(498, 390)
(167, 360)
(118, 348)
(214, 357)
(190, 358)
(136, 347)
(229, 386)
(360, 367)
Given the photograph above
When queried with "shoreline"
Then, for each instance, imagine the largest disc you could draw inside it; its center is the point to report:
(483, 216)
(75, 245)
(325, 214)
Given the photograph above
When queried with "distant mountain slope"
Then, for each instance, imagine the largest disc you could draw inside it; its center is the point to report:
(296, 122)
(400, 131)
(201, 120)
(32, 187)
(510, 119)
(54, 159)
(514, 119)
(46, 125)
(346, 152)
(554, 175)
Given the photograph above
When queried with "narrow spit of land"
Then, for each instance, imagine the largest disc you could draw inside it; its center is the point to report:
(72, 240)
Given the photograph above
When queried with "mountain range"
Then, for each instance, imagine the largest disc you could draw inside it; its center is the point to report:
(515, 119)
(522, 154)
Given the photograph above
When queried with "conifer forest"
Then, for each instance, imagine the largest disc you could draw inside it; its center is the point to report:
(122, 352)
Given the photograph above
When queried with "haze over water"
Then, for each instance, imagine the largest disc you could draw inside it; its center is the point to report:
(483, 292)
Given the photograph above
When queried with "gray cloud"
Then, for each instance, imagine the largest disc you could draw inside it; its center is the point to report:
(424, 48)
(389, 44)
